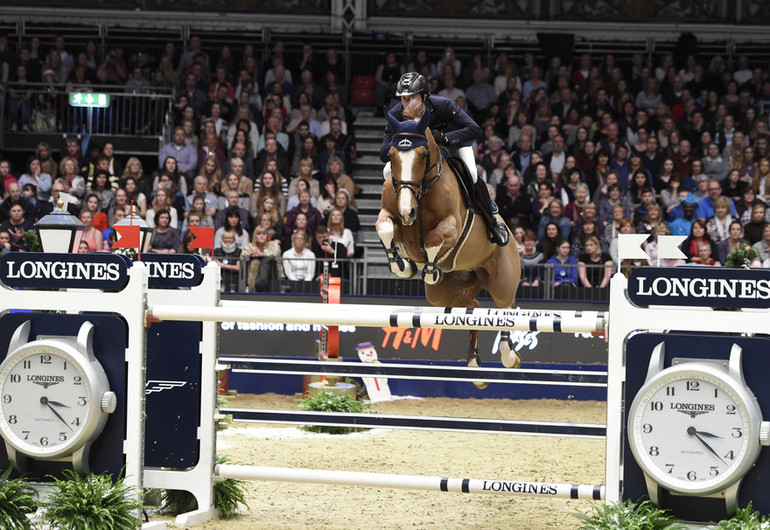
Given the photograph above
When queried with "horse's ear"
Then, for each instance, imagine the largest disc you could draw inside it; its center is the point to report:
(392, 121)
(424, 122)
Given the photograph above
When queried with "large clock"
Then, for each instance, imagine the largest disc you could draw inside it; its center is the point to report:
(695, 429)
(54, 398)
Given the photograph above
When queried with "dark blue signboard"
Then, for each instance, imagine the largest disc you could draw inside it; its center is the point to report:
(96, 270)
(173, 270)
(700, 286)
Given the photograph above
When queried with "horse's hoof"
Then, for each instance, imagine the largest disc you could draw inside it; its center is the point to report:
(474, 361)
(508, 356)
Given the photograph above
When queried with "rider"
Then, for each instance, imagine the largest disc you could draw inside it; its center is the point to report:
(454, 130)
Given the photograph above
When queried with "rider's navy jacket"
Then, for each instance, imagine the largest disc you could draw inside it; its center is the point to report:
(459, 128)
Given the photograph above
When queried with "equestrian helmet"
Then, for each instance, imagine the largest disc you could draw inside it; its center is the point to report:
(411, 83)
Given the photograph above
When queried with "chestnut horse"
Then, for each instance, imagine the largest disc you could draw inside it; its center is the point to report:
(425, 224)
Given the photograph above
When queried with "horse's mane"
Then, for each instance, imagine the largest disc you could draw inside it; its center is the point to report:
(414, 109)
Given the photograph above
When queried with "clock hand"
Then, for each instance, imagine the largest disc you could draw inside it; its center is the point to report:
(44, 401)
(692, 432)
(57, 404)
(707, 434)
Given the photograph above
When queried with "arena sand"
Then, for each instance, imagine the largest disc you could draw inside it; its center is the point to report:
(457, 455)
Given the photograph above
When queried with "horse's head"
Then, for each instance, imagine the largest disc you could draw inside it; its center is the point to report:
(409, 163)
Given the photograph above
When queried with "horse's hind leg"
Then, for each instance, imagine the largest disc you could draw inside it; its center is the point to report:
(459, 289)
(508, 356)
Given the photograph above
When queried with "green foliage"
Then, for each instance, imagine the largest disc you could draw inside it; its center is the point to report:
(92, 502)
(32, 241)
(330, 402)
(224, 422)
(741, 257)
(628, 515)
(746, 519)
(228, 495)
(17, 499)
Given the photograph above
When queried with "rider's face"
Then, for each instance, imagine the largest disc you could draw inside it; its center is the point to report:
(406, 99)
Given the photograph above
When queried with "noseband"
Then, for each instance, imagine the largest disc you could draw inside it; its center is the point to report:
(419, 189)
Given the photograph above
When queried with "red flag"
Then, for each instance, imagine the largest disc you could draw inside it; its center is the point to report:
(128, 236)
(204, 237)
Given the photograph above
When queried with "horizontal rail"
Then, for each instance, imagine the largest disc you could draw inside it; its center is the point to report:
(420, 372)
(373, 316)
(431, 423)
(411, 482)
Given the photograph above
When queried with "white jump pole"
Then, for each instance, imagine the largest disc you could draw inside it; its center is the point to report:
(412, 482)
(374, 316)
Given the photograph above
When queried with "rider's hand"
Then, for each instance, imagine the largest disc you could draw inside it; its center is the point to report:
(440, 138)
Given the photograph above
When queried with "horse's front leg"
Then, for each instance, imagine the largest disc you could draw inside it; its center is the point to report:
(386, 230)
(443, 236)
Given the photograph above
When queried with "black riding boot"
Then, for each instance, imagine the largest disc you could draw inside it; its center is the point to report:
(498, 232)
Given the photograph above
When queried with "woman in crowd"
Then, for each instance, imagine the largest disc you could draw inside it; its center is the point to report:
(162, 202)
(760, 182)
(170, 167)
(338, 233)
(35, 176)
(212, 171)
(587, 229)
(698, 235)
(565, 266)
(301, 184)
(325, 200)
(165, 238)
(531, 261)
(98, 217)
(91, 235)
(100, 186)
(547, 244)
(269, 186)
(652, 217)
(258, 253)
(47, 164)
(753, 230)
(69, 172)
(135, 170)
(232, 224)
(590, 272)
(718, 225)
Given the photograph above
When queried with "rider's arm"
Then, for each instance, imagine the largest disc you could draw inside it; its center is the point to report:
(468, 131)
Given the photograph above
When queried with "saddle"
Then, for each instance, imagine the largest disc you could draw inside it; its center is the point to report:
(464, 180)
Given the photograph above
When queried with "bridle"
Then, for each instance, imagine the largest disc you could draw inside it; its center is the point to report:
(419, 189)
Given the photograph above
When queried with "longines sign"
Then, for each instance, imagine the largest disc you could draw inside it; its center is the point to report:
(55, 271)
(700, 286)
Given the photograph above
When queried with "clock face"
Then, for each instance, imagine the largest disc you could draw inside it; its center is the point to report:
(692, 431)
(45, 401)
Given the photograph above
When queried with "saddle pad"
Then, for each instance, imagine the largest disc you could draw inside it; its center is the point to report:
(464, 180)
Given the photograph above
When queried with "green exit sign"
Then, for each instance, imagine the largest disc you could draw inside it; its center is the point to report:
(89, 99)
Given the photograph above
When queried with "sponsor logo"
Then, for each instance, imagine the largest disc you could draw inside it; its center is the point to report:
(45, 380)
(154, 386)
(519, 487)
(58, 271)
(702, 286)
(692, 409)
(176, 271)
(406, 142)
(411, 338)
(48, 270)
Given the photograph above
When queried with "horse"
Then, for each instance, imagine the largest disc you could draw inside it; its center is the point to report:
(425, 224)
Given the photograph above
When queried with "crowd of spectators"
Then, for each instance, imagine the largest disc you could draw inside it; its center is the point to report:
(575, 154)
(260, 152)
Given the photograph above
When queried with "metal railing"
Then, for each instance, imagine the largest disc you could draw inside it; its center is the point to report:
(37, 108)
(364, 277)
